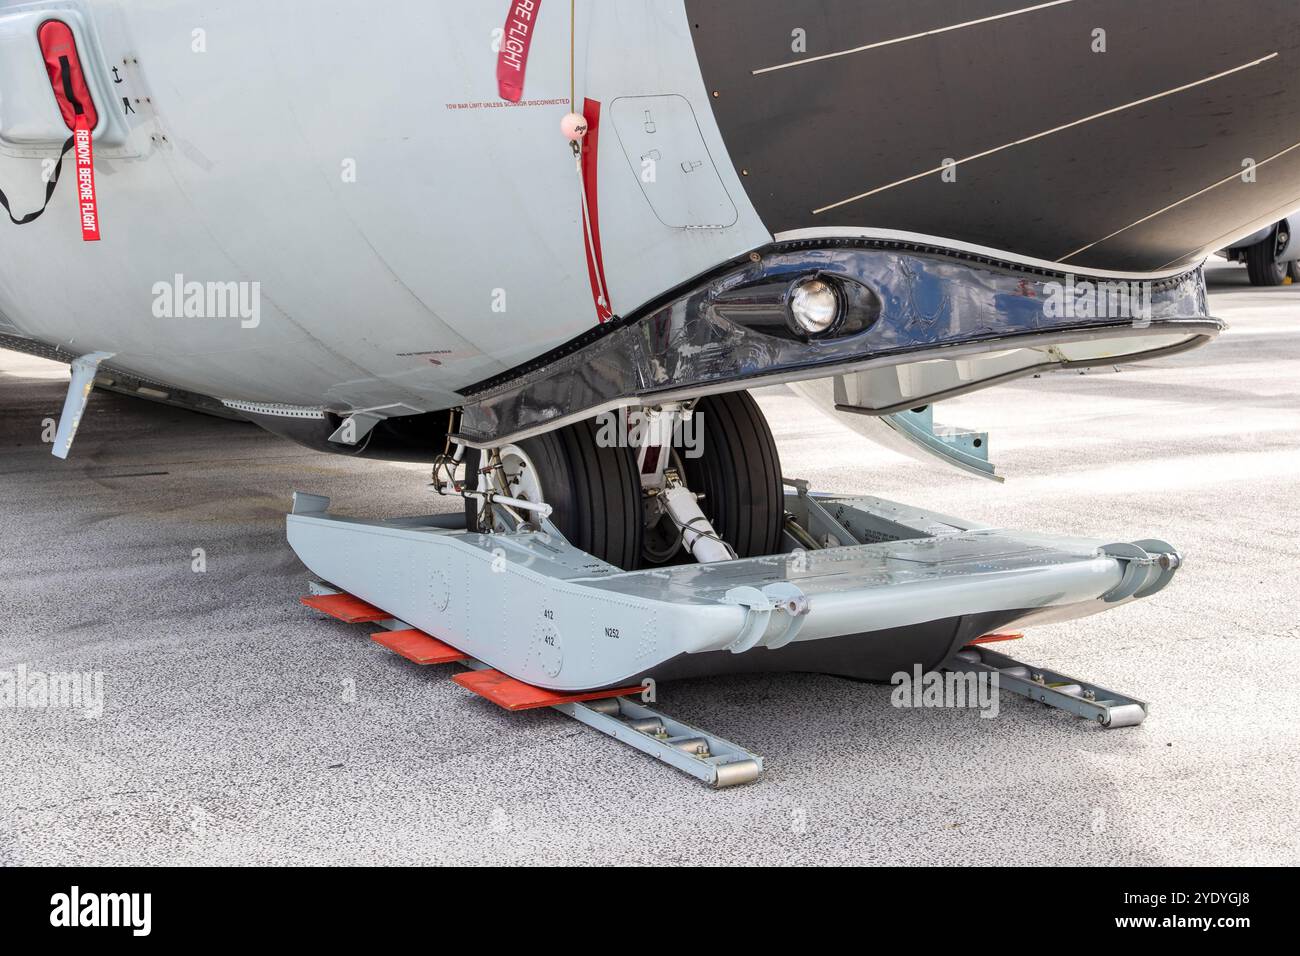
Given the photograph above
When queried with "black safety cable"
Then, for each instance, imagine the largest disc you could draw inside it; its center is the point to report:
(66, 70)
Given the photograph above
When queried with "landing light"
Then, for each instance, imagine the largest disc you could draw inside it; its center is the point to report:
(814, 306)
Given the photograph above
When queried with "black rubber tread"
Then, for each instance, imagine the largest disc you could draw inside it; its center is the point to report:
(608, 490)
(1293, 269)
(739, 474)
(1262, 265)
(595, 492)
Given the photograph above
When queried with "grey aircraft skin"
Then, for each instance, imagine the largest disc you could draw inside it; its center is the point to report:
(453, 259)
(391, 229)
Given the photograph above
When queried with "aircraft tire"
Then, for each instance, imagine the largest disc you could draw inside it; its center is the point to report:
(594, 491)
(1262, 265)
(738, 472)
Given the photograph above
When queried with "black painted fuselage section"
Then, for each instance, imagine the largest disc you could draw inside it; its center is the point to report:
(809, 136)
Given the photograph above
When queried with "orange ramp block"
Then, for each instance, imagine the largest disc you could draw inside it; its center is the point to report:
(504, 691)
(419, 647)
(994, 638)
(346, 608)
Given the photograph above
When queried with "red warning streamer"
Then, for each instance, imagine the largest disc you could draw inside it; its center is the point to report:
(516, 40)
(77, 106)
(84, 151)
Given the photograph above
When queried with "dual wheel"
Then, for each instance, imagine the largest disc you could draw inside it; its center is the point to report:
(594, 488)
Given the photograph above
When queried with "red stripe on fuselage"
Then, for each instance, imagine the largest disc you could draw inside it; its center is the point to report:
(591, 227)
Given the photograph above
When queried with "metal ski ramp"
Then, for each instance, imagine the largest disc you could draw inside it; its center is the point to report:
(1109, 708)
(887, 585)
(550, 625)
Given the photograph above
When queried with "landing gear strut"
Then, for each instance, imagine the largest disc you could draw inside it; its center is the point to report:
(719, 473)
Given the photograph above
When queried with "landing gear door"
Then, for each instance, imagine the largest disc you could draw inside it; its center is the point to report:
(911, 432)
